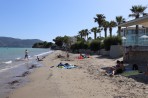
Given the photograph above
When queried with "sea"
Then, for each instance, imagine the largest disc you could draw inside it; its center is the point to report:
(13, 64)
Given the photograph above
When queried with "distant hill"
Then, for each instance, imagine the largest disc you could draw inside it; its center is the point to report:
(15, 42)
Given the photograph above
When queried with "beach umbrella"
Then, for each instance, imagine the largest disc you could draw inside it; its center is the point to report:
(144, 37)
(123, 38)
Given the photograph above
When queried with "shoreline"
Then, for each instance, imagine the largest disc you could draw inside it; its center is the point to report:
(16, 76)
(86, 81)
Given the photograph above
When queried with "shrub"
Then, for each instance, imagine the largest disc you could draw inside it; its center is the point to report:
(115, 40)
(95, 45)
(79, 45)
(102, 45)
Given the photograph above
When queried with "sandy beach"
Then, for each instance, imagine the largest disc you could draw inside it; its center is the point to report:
(88, 80)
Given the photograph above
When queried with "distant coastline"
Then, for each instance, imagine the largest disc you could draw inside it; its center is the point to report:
(15, 42)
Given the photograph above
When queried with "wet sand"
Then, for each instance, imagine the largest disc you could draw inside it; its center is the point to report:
(88, 80)
(15, 77)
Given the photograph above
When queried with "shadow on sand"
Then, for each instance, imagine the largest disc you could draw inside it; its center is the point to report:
(137, 75)
(107, 57)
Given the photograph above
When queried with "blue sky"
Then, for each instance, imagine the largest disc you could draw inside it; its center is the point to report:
(46, 19)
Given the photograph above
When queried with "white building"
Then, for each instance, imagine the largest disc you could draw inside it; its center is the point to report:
(135, 45)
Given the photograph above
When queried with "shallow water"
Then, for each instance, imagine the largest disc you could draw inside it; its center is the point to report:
(11, 57)
(16, 67)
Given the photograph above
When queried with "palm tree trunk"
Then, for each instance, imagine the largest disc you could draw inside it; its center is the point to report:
(119, 31)
(105, 31)
(81, 36)
(110, 31)
(95, 35)
(137, 31)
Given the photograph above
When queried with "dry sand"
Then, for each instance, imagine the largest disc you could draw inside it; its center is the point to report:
(86, 81)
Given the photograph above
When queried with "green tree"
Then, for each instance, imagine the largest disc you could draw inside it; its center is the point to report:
(82, 33)
(49, 44)
(79, 45)
(111, 25)
(114, 40)
(95, 45)
(58, 41)
(67, 41)
(89, 38)
(119, 20)
(42, 45)
(105, 26)
(99, 19)
(95, 30)
(87, 33)
(137, 11)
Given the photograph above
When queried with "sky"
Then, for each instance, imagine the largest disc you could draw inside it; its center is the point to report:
(47, 19)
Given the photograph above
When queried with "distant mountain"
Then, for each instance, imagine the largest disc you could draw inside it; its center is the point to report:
(15, 42)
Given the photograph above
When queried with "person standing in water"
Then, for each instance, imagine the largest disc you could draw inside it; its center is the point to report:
(26, 54)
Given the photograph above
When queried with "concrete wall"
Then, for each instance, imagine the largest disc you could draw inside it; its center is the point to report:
(103, 52)
(116, 51)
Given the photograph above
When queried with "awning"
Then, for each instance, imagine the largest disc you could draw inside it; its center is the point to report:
(139, 21)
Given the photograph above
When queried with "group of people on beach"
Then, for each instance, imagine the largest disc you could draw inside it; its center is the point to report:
(38, 59)
(119, 68)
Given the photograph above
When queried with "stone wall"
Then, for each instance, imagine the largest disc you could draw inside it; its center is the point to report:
(138, 57)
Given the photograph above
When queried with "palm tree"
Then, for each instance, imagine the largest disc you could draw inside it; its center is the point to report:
(137, 10)
(111, 25)
(99, 19)
(86, 32)
(119, 20)
(105, 26)
(81, 33)
(95, 30)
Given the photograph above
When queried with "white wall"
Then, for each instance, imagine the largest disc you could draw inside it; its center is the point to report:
(116, 51)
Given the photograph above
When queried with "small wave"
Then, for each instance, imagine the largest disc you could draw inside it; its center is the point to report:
(17, 58)
(11, 67)
(7, 62)
(44, 54)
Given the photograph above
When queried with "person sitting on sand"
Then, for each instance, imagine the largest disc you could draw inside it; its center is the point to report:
(80, 57)
(116, 69)
(122, 66)
(38, 59)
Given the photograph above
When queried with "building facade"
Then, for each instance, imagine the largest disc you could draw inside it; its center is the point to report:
(135, 44)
